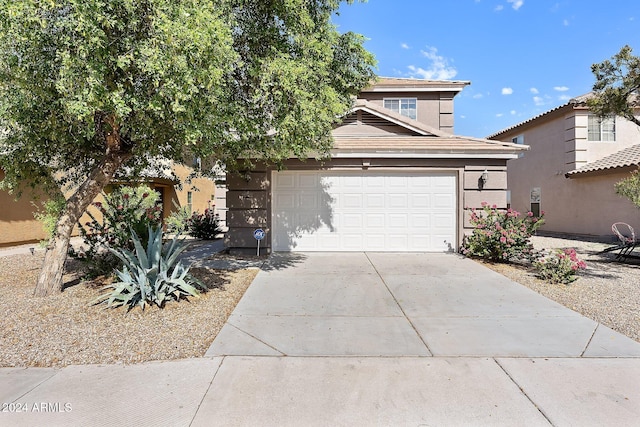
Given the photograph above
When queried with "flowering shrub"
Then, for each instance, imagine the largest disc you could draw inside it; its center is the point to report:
(124, 209)
(204, 226)
(560, 266)
(501, 235)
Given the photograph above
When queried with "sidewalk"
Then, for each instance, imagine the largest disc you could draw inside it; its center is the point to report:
(362, 339)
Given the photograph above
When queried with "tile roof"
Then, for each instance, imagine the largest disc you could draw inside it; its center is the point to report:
(409, 84)
(434, 144)
(626, 157)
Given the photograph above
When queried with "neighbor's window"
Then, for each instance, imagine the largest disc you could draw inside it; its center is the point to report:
(404, 106)
(190, 201)
(601, 128)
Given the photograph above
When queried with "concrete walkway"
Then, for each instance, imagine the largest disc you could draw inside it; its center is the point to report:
(362, 339)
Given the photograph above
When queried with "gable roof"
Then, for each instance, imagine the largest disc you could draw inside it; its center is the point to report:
(626, 157)
(395, 118)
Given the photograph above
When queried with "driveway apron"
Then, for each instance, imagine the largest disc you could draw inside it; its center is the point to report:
(383, 304)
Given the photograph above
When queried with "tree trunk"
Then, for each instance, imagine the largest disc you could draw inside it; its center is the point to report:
(107, 131)
(50, 278)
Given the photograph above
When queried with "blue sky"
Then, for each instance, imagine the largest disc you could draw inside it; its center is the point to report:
(522, 57)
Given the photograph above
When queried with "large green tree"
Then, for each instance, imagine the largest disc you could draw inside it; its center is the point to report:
(88, 86)
(616, 92)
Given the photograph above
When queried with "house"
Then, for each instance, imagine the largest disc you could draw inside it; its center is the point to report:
(18, 225)
(575, 159)
(398, 179)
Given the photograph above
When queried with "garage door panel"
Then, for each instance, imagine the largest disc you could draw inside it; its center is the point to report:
(364, 210)
(398, 201)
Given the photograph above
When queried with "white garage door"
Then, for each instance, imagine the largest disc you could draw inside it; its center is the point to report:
(363, 210)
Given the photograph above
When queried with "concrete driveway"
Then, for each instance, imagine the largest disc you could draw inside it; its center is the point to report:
(364, 339)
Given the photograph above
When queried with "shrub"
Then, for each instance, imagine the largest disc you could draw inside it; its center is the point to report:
(124, 209)
(177, 222)
(204, 226)
(500, 235)
(48, 215)
(559, 266)
(151, 276)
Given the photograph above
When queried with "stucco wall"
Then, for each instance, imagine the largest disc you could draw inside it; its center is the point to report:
(17, 224)
(432, 108)
(558, 144)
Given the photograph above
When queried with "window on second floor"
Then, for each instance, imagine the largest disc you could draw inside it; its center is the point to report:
(403, 106)
(601, 128)
(518, 139)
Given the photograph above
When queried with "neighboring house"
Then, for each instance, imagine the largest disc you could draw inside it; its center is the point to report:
(398, 180)
(575, 159)
(17, 224)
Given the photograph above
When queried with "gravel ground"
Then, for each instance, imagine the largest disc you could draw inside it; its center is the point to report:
(65, 329)
(607, 291)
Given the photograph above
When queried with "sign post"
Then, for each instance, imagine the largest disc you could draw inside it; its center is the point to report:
(258, 234)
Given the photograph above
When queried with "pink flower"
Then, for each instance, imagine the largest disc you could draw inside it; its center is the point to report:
(494, 207)
(503, 239)
(145, 195)
(126, 196)
(97, 204)
(529, 214)
(483, 204)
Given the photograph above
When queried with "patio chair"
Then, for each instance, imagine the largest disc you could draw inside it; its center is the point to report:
(627, 236)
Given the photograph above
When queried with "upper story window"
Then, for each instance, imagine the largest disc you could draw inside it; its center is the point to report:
(601, 128)
(518, 139)
(404, 106)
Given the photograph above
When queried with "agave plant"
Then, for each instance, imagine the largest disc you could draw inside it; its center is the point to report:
(151, 276)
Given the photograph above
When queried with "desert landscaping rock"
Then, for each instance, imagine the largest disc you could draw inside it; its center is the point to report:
(65, 329)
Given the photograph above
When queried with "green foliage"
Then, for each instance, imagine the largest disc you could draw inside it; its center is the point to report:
(48, 215)
(559, 266)
(176, 222)
(630, 188)
(616, 87)
(151, 276)
(204, 225)
(124, 209)
(170, 79)
(501, 235)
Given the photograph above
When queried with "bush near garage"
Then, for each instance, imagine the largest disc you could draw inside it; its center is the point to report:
(501, 235)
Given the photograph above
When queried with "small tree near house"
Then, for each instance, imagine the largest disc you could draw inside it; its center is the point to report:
(88, 86)
(616, 92)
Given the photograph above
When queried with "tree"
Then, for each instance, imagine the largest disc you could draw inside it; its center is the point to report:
(615, 91)
(630, 188)
(88, 86)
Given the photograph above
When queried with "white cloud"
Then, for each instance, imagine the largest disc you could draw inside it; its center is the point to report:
(513, 112)
(439, 69)
(561, 88)
(499, 115)
(477, 96)
(516, 4)
(564, 97)
(534, 91)
(499, 8)
(507, 91)
(404, 46)
(538, 100)
(463, 117)
(565, 22)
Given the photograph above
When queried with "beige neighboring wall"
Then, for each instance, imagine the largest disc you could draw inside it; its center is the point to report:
(17, 224)
(586, 205)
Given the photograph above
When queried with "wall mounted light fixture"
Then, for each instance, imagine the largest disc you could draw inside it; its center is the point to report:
(484, 177)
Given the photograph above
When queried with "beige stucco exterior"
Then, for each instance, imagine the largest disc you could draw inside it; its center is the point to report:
(372, 139)
(17, 224)
(586, 203)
